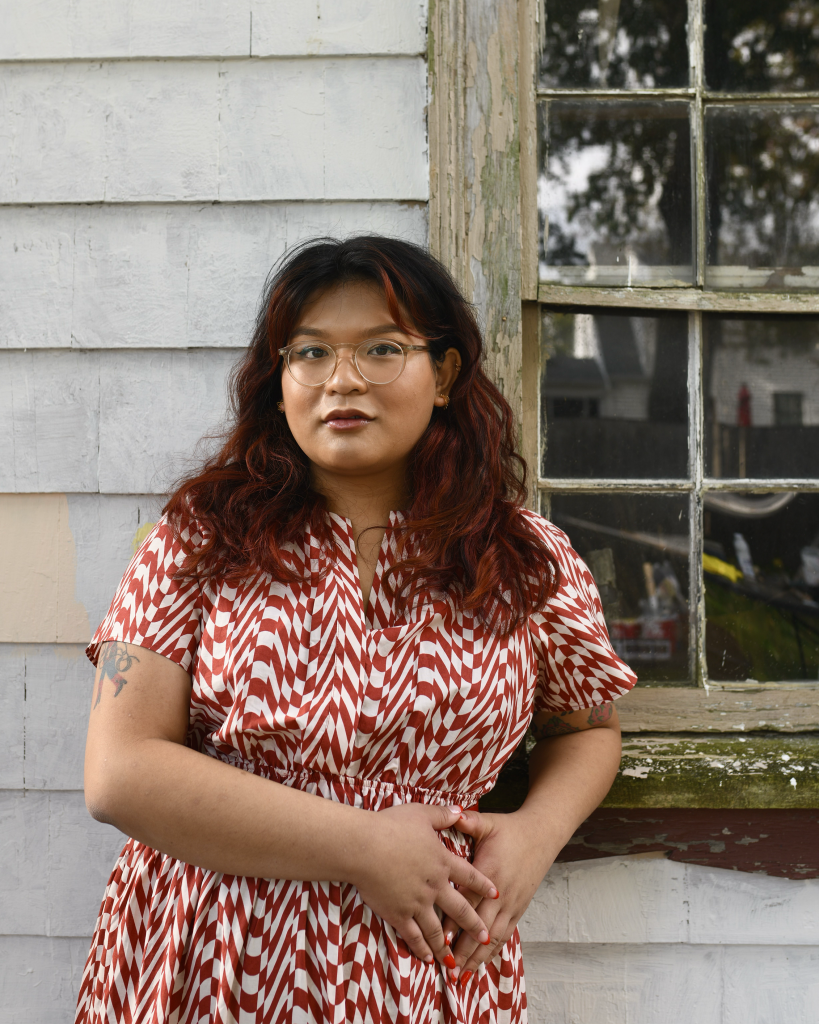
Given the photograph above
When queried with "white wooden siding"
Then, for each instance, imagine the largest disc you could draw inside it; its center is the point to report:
(169, 275)
(156, 160)
(94, 29)
(188, 131)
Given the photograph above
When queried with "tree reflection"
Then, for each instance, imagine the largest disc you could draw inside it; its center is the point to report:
(617, 176)
(615, 44)
(616, 187)
(762, 45)
(762, 174)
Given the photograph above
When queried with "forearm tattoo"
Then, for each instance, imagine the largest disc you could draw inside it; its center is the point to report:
(558, 726)
(114, 662)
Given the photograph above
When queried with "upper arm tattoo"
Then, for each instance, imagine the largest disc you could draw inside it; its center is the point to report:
(602, 713)
(554, 726)
(114, 661)
(558, 726)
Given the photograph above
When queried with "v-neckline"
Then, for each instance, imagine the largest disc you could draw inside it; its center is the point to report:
(375, 587)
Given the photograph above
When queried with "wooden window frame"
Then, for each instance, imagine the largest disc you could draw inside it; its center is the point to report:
(483, 226)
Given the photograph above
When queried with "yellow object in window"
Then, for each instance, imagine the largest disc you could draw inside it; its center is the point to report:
(720, 568)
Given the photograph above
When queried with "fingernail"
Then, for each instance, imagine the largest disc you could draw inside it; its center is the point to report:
(483, 936)
(494, 894)
(456, 809)
(449, 961)
(453, 974)
(428, 959)
(448, 937)
(465, 977)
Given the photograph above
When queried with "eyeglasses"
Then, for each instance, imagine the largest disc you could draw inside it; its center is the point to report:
(312, 363)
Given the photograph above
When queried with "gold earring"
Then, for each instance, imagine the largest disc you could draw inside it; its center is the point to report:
(446, 400)
(280, 406)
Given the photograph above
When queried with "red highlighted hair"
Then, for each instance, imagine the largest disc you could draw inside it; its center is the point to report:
(467, 481)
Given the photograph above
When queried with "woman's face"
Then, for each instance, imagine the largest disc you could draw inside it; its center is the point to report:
(348, 427)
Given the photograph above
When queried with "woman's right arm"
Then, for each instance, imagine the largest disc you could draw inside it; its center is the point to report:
(141, 778)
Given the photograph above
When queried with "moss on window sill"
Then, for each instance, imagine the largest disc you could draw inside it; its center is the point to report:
(697, 771)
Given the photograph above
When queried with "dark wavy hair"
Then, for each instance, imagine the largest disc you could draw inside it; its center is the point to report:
(467, 481)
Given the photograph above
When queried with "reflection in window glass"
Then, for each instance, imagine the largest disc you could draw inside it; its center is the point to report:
(636, 547)
(761, 391)
(614, 193)
(762, 45)
(763, 197)
(761, 563)
(614, 395)
(615, 44)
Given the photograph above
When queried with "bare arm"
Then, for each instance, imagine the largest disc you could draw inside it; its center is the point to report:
(571, 769)
(141, 778)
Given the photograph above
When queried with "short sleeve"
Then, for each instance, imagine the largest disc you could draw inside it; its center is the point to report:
(577, 666)
(150, 609)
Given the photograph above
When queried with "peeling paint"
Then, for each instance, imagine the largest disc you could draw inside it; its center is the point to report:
(778, 842)
(475, 170)
(140, 535)
(695, 771)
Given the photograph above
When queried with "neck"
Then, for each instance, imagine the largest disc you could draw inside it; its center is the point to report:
(365, 500)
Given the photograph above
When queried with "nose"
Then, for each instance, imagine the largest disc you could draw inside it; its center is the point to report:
(345, 377)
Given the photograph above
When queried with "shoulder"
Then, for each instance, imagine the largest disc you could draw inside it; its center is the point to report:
(541, 526)
(558, 543)
(576, 598)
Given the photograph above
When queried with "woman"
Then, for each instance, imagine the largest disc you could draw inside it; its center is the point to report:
(320, 659)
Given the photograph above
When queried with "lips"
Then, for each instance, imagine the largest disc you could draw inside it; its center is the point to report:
(346, 419)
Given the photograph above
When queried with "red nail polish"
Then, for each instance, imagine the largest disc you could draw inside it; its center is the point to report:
(449, 961)
(448, 937)
(494, 894)
(465, 977)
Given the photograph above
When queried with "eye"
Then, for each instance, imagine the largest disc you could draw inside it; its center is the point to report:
(383, 348)
(310, 352)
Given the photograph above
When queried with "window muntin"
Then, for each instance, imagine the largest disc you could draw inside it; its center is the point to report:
(753, 243)
(619, 179)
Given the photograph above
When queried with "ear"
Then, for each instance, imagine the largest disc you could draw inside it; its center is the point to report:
(446, 373)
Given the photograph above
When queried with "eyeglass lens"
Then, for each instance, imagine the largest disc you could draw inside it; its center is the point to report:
(378, 362)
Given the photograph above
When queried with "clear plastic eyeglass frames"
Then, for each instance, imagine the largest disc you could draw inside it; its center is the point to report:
(313, 363)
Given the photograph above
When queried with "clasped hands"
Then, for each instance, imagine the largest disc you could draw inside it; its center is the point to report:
(410, 873)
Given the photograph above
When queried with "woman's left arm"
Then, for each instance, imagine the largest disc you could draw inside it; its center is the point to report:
(571, 769)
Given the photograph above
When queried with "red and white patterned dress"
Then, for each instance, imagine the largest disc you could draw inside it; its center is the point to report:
(299, 684)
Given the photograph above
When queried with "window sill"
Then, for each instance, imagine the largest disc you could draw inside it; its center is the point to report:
(762, 770)
(724, 707)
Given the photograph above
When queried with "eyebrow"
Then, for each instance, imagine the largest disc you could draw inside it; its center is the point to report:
(371, 332)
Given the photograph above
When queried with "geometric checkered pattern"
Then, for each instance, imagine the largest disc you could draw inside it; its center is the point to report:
(300, 685)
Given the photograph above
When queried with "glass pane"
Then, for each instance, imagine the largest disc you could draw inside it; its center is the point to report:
(614, 193)
(763, 197)
(615, 44)
(614, 394)
(636, 547)
(761, 562)
(761, 386)
(762, 45)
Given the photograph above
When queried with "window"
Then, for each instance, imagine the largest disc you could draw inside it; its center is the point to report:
(678, 267)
